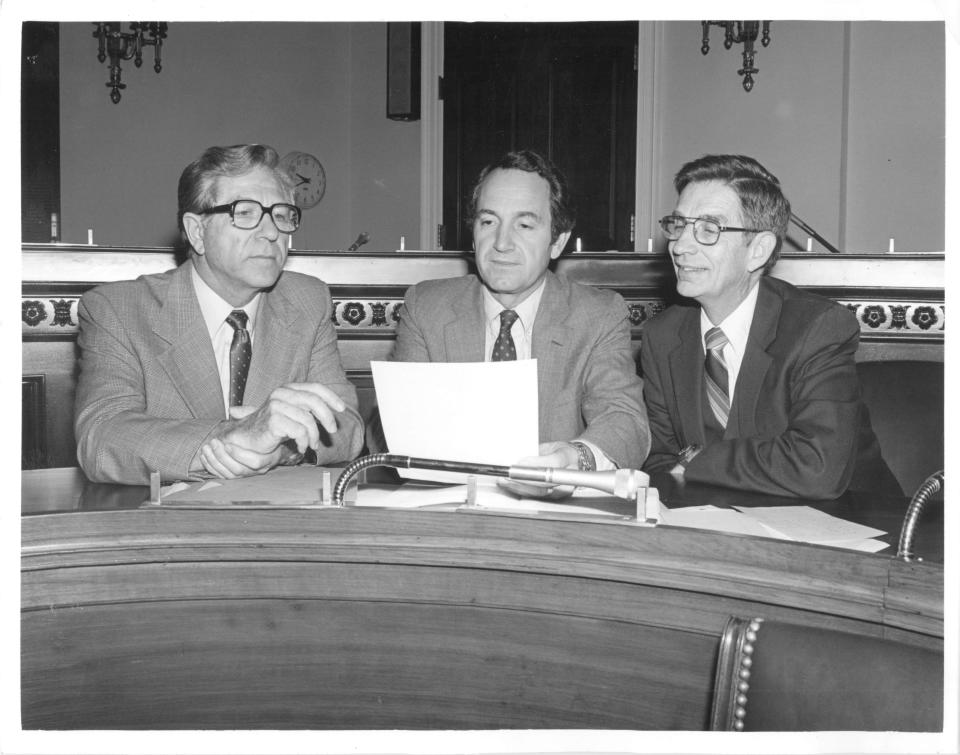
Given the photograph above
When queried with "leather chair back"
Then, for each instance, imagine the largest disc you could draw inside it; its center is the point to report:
(774, 676)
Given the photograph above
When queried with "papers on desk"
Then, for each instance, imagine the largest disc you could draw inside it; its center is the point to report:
(283, 487)
(800, 523)
(491, 498)
(483, 412)
(301, 487)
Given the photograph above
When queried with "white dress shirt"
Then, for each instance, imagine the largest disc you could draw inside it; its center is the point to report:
(522, 334)
(215, 311)
(736, 327)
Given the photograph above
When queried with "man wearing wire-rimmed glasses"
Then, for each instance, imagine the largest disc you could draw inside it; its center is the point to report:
(751, 383)
(227, 365)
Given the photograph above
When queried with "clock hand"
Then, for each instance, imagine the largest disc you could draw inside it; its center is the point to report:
(303, 179)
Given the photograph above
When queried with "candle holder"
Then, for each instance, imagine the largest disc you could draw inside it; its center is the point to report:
(746, 34)
(120, 45)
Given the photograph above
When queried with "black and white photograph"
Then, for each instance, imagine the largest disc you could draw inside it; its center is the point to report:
(416, 378)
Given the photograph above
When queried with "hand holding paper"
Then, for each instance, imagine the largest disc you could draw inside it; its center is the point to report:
(484, 412)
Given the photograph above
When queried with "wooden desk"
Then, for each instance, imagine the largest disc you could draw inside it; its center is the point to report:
(379, 619)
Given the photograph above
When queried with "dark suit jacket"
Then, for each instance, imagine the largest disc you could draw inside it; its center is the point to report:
(587, 378)
(797, 425)
(149, 392)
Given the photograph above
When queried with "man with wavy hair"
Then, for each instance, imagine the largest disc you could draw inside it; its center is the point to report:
(227, 365)
(752, 383)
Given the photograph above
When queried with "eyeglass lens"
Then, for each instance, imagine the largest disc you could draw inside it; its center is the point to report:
(705, 231)
(247, 214)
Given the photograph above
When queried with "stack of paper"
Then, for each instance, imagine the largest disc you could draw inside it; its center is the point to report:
(283, 487)
(491, 498)
(801, 523)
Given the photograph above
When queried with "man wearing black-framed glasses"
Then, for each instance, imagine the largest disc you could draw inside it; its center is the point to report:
(752, 383)
(225, 366)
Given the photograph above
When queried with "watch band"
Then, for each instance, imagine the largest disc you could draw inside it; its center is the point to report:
(586, 462)
(686, 455)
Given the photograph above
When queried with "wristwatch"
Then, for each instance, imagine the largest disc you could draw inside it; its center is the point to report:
(686, 455)
(585, 459)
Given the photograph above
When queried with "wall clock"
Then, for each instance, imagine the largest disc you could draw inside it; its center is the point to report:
(309, 178)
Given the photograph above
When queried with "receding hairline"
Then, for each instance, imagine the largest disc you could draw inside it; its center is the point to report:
(523, 213)
(217, 178)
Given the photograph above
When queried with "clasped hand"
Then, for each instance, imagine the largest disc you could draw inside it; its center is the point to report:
(256, 439)
(555, 454)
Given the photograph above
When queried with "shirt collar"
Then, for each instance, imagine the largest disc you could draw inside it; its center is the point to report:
(215, 310)
(526, 310)
(736, 325)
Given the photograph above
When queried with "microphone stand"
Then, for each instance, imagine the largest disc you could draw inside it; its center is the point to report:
(814, 234)
(629, 484)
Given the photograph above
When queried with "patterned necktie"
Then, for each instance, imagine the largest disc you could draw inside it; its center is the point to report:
(240, 351)
(718, 390)
(504, 350)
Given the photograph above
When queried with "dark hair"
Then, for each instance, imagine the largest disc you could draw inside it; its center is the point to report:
(762, 200)
(562, 212)
(195, 190)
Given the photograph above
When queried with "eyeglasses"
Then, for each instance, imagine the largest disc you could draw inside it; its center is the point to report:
(246, 214)
(705, 231)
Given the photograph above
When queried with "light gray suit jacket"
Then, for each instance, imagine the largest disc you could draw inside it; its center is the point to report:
(149, 392)
(587, 377)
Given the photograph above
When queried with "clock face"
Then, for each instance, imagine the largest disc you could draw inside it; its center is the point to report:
(309, 178)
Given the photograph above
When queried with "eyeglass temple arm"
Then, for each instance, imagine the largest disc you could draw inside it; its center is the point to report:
(826, 244)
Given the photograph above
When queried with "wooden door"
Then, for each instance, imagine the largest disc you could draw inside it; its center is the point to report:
(567, 90)
(40, 131)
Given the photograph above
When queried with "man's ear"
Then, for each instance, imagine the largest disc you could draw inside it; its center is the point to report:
(557, 246)
(761, 248)
(193, 227)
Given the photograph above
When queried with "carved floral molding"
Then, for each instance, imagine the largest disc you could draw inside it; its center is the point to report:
(45, 316)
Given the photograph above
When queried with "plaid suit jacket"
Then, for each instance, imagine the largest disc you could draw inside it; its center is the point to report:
(149, 393)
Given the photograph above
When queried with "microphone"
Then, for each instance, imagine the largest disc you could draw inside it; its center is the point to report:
(622, 483)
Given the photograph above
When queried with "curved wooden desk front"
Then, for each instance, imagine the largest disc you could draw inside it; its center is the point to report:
(368, 619)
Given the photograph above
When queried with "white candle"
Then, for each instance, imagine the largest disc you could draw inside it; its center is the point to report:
(809, 244)
(890, 249)
(289, 242)
(579, 245)
(649, 245)
(403, 243)
(90, 236)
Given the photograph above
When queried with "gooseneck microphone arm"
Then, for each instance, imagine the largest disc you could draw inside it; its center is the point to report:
(826, 244)
(623, 483)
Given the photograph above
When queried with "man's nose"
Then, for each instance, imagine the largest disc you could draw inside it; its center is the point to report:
(268, 227)
(686, 243)
(504, 239)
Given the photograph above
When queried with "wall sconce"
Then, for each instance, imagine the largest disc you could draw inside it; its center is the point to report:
(746, 33)
(120, 45)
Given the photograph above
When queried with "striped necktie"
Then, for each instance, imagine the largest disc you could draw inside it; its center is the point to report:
(240, 351)
(715, 374)
(504, 349)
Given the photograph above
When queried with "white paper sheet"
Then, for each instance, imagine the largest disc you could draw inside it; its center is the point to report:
(484, 412)
(491, 498)
(800, 523)
(808, 524)
(713, 518)
(281, 487)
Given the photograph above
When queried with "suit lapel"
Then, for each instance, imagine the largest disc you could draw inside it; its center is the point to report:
(756, 363)
(274, 346)
(686, 373)
(550, 341)
(189, 361)
(464, 336)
